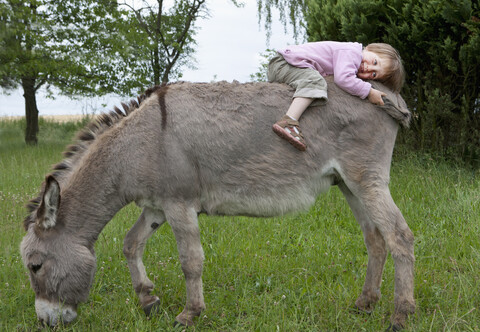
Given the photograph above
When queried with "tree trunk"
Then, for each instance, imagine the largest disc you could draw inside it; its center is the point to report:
(31, 110)
(156, 66)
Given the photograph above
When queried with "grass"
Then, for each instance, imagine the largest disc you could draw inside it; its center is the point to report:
(296, 273)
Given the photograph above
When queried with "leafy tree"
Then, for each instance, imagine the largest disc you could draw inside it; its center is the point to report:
(16, 38)
(167, 36)
(440, 45)
(46, 43)
(92, 47)
(290, 11)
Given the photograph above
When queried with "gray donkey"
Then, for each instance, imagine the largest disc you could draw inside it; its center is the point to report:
(185, 149)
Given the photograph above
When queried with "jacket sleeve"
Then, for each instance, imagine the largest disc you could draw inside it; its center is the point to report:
(345, 68)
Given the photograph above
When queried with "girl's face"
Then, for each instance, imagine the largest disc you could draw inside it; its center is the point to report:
(372, 66)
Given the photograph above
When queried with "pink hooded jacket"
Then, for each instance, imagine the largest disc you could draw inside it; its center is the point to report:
(331, 58)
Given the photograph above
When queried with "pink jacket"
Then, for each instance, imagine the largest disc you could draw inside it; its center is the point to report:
(331, 58)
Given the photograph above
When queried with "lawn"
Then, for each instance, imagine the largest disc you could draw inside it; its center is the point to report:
(292, 273)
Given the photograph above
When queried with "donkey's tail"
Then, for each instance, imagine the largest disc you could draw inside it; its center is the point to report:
(398, 111)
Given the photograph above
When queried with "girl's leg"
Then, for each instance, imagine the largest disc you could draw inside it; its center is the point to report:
(309, 85)
(288, 127)
(298, 106)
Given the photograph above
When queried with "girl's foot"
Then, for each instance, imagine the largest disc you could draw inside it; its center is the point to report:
(289, 129)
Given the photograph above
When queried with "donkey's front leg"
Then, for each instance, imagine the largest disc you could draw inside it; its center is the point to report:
(133, 246)
(183, 220)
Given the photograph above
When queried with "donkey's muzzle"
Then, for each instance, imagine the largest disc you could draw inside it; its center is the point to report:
(52, 314)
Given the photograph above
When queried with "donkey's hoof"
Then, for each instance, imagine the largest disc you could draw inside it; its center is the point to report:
(361, 311)
(177, 324)
(393, 327)
(151, 308)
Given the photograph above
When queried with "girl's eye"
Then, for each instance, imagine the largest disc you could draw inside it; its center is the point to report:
(375, 62)
(374, 75)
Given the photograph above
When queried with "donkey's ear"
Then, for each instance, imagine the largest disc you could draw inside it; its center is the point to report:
(47, 212)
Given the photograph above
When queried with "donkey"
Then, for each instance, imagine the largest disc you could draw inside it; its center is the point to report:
(189, 148)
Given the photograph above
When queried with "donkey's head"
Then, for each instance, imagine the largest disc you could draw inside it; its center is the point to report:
(61, 267)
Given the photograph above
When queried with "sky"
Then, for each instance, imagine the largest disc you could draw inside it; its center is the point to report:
(229, 44)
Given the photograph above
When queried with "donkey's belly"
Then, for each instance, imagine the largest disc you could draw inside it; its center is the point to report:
(263, 201)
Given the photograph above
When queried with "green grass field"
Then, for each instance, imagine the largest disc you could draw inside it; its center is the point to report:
(295, 273)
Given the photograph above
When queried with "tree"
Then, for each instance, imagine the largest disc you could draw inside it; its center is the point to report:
(440, 45)
(50, 43)
(167, 35)
(92, 47)
(16, 39)
(290, 11)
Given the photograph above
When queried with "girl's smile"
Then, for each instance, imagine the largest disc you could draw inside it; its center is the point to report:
(372, 66)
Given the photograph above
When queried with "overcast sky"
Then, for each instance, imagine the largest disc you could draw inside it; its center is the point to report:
(229, 44)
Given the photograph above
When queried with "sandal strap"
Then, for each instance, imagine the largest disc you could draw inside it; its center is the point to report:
(289, 129)
(287, 121)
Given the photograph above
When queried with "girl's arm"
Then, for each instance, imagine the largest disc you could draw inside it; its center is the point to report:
(375, 96)
(345, 68)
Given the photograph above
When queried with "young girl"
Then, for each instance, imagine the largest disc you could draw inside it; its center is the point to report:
(303, 67)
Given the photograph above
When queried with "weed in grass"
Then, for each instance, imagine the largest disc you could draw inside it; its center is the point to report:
(291, 273)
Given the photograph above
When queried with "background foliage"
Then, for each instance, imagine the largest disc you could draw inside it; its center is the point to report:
(439, 42)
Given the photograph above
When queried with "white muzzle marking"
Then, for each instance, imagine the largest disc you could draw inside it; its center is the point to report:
(53, 313)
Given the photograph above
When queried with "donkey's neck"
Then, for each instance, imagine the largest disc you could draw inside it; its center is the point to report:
(91, 195)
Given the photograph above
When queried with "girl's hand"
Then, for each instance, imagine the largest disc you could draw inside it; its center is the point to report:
(375, 97)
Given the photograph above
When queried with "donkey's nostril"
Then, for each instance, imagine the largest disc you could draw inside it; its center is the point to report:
(35, 267)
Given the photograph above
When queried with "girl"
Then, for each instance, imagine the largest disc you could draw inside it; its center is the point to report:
(303, 67)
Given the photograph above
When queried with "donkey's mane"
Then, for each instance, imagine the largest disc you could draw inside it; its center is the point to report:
(84, 138)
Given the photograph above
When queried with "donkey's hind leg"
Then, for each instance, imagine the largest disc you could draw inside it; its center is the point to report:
(183, 220)
(381, 210)
(133, 246)
(377, 253)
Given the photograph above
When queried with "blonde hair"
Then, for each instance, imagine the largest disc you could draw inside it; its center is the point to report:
(394, 72)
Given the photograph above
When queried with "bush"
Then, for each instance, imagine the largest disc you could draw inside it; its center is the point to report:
(440, 45)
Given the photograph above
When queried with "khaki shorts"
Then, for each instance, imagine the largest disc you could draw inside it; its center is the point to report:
(307, 82)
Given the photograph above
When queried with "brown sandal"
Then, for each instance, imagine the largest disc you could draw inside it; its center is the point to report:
(289, 129)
